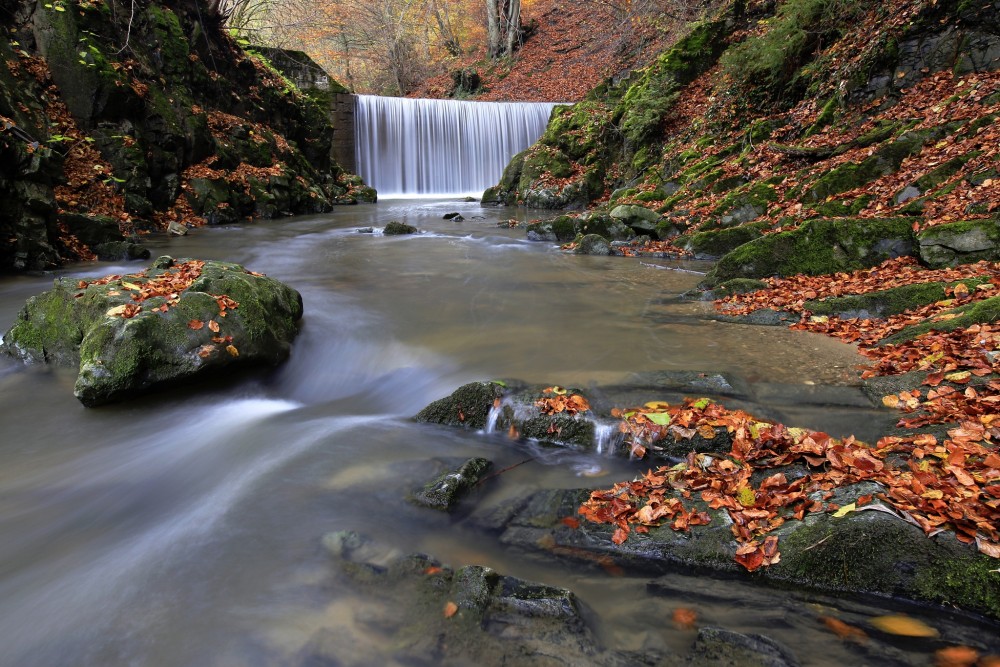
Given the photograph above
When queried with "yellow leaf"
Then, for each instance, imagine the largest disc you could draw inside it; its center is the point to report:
(933, 494)
(961, 376)
(116, 311)
(231, 349)
(844, 511)
(657, 405)
(819, 319)
(904, 626)
(890, 401)
(131, 286)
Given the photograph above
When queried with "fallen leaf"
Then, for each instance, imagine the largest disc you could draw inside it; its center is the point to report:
(685, 619)
(195, 324)
(841, 629)
(433, 569)
(845, 510)
(450, 609)
(955, 656)
(904, 626)
(214, 326)
(231, 349)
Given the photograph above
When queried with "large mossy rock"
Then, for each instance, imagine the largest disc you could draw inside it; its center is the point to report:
(818, 247)
(960, 243)
(176, 321)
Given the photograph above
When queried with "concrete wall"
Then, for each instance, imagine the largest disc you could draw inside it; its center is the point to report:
(342, 119)
(306, 74)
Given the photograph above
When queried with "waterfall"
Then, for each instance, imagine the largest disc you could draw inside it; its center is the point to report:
(441, 147)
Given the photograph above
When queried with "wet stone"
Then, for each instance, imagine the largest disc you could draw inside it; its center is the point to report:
(716, 647)
(445, 491)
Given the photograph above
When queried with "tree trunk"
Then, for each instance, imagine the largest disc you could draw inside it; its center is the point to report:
(503, 27)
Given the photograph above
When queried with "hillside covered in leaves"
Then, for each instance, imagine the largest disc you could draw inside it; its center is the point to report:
(839, 161)
(118, 118)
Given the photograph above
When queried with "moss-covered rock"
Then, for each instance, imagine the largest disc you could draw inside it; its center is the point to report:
(191, 320)
(397, 228)
(817, 247)
(447, 489)
(977, 312)
(960, 243)
(884, 303)
(712, 244)
(467, 406)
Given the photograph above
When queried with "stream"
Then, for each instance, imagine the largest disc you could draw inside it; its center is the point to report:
(184, 528)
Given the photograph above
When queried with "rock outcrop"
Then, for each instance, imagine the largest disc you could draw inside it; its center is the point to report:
(177, 321)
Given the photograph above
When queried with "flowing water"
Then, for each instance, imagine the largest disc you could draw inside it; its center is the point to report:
(427, 147)
(184, 528)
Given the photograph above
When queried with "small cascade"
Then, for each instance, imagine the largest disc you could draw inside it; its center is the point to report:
(607, 437)
(412, 147)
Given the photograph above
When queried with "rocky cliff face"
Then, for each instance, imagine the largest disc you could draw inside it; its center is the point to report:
(118, 118)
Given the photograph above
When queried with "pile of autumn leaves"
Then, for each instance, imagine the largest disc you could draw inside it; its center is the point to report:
(164, 290)
(951, 483)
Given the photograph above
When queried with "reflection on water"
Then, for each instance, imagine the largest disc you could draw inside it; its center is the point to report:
(183, 528)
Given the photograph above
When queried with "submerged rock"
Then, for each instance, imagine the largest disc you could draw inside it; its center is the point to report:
(395, 227)
(176, 321)
(443, 492)
(716, 646)
(473, 615)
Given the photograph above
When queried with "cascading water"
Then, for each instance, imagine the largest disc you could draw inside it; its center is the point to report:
(441, 147)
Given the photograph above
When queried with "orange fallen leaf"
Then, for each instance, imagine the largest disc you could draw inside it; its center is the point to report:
(433, 569)
(685, 619)
(841, 629)
(214, 326)
(904, 626)
(195, 324)
(231, 349)
(956, 656)
(450, 609)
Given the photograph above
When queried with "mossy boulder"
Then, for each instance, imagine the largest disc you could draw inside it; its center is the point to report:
(818, 247)
(397, 228)
(467, 406)
(715, 243)
(178, 321)
(960, 243)
(638, 218)
(884, 303)
(594, 244)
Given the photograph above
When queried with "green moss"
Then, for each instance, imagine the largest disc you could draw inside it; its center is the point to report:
(887, 302)
(173, 46)
(839, 208)
(818, 247)
(544, 160)
(826, 116)
(758, 195)
(940, 174)
(886, 160)
(979, 312)
(872, 553)
(716, 243)
(643, 109)
(738, 286)
(968, 581)
(764, 66)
